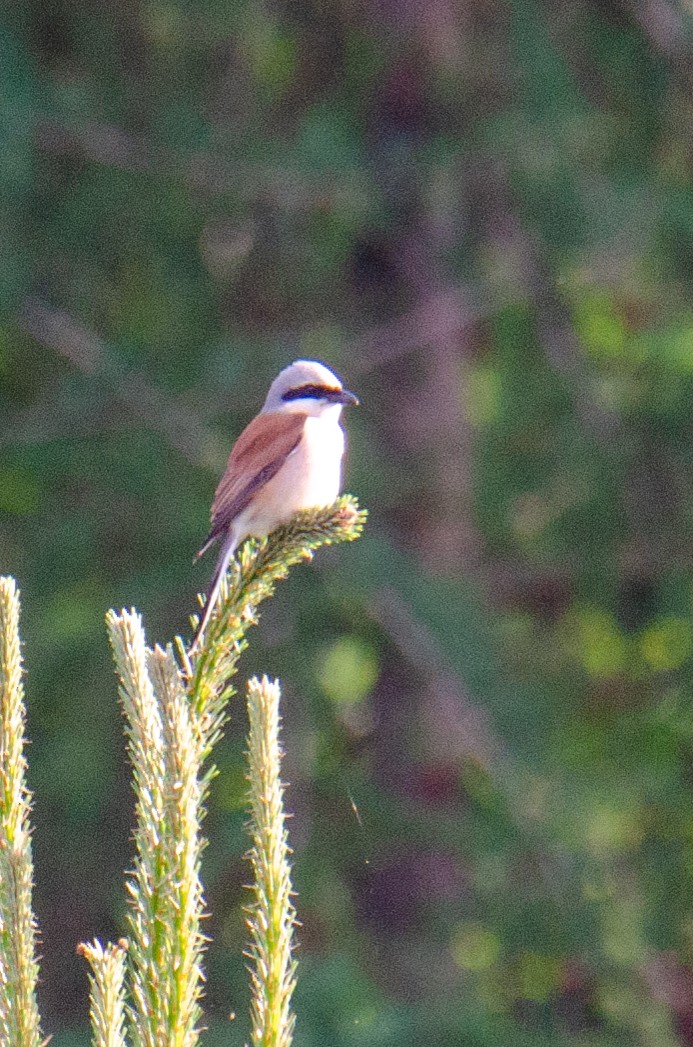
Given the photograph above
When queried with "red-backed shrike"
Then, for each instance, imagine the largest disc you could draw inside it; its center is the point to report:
(287, 459)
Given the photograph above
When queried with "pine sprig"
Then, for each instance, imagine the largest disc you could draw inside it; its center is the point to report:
(19, 1019)
(165, 888)
(106, 992)
(184, 803)
(271, 916)
(174, 718)
(149, 887)
(252, 578)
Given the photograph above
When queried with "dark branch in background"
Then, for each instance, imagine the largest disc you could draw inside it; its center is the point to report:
(183, 430)
(289, 188)
(472, 734)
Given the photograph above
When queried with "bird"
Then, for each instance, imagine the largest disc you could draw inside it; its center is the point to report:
(287, 459)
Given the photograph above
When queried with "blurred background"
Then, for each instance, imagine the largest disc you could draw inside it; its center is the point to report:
(481, 215)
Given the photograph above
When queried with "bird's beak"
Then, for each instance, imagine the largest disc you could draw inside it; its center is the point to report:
(345, 397)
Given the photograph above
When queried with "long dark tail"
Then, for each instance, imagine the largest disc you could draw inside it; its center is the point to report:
(227, 550)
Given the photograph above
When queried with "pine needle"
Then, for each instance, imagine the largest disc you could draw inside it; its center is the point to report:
(271, 917)
(19, 1020)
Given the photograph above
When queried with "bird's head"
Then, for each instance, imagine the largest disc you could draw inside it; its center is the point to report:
(308, 387)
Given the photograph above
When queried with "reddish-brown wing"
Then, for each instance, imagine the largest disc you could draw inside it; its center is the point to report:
(257, 456)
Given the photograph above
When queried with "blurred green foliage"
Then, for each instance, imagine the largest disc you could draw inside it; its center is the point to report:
(482, 215)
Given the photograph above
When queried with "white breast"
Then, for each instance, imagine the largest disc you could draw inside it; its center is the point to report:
(310, 478)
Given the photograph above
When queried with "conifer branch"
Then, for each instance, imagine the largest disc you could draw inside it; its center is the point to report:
(173, 720)
(252, 578)
(184, 801)
(271, 916)
(150, 886)
(165, 890)
(19, 1019)
(106, 992)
